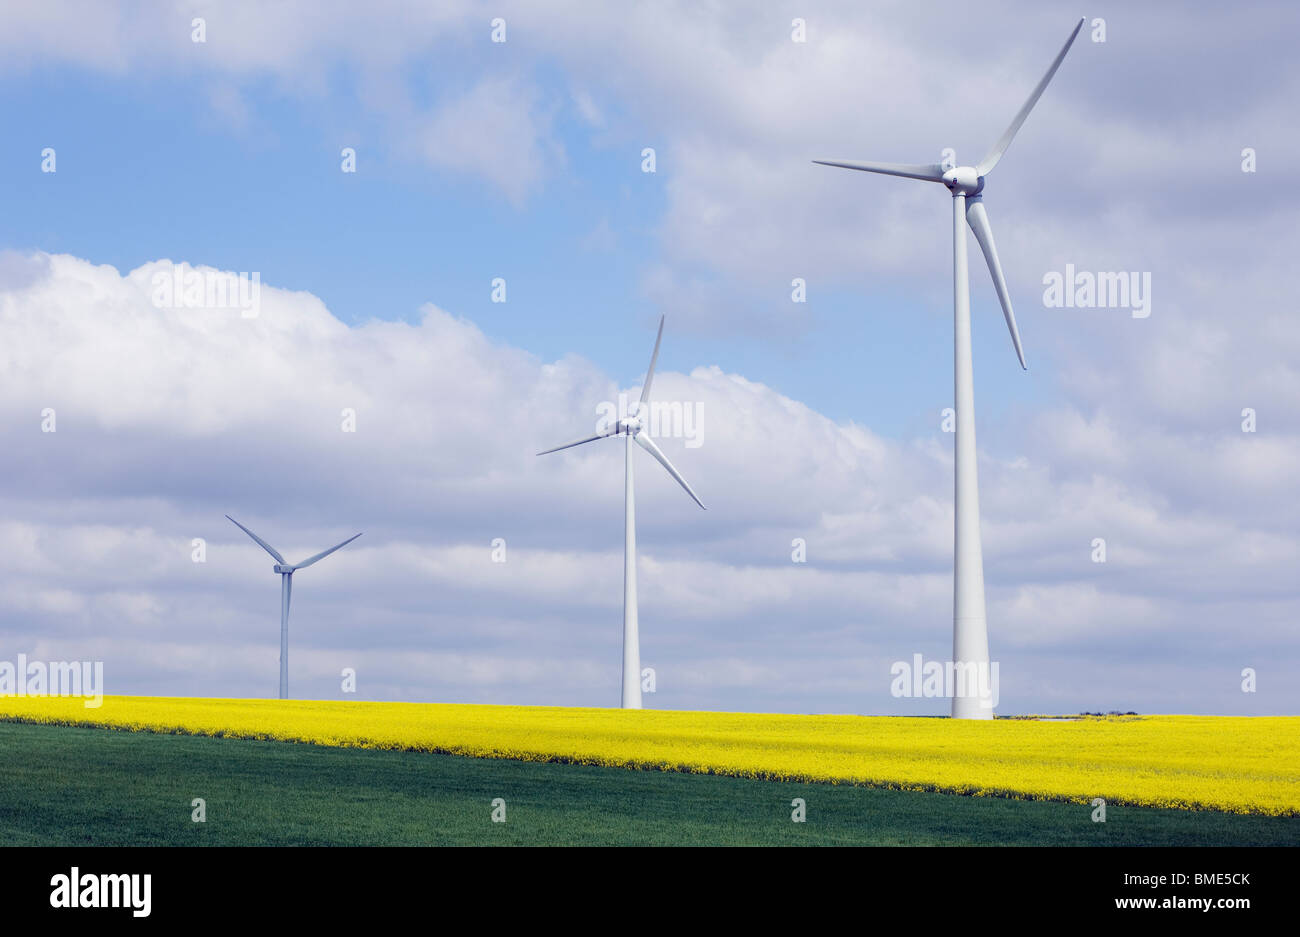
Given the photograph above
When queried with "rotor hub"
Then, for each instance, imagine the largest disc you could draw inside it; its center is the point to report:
(964, 180)
(282, 569)
(630, 426)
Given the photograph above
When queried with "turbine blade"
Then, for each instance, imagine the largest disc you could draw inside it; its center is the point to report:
(581, 442)
(988, 162)
(324, 553)
(650, 374)
(978, 220)
(260, 542)
(648, 444)
(930, 172)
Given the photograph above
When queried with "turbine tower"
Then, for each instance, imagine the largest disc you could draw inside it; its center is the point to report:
(632, 428)
(970, 640)
(286, 572)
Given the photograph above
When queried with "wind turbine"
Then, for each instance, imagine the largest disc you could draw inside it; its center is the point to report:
(632, 428)
(286, 572)
(970, 640)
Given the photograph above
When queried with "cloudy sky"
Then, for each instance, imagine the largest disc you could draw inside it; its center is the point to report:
(821, 420)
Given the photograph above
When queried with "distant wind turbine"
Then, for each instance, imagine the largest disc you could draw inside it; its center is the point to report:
(970, 639)
(632, 427)
(286, 572)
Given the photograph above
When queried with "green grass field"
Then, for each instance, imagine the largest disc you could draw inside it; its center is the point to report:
(62, 785)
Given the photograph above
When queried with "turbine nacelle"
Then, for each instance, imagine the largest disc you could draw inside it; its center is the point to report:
(964, 180)
(633, 426)
(281, 568)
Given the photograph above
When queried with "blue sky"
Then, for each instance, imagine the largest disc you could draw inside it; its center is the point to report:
(821, 420)
(270, 196)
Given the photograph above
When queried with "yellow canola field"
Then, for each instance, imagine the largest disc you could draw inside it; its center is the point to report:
(1233, 764)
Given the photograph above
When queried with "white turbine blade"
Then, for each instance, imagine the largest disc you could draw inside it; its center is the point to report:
(324, 553)
(580, 442)
(978, 219)
(931, 172)
(988, 162)
(260, 542)
(649, 374)
(649, 446)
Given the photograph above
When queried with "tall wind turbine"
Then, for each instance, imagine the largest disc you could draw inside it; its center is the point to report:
(632, 428)
(286, 572)
(970, 639)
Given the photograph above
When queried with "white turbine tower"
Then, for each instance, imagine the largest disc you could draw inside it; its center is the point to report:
(286, 572)
(632, 427)
(970, 640)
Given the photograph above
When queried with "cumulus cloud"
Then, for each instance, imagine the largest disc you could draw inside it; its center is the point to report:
(169, 417)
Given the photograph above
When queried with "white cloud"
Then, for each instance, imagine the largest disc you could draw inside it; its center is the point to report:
(497, 130)
(170, 418)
